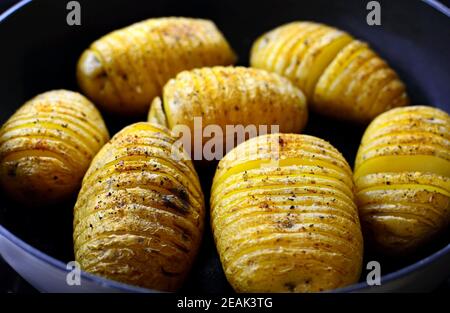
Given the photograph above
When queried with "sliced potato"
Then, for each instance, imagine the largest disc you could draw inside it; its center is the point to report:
(402, 175)
(341, 77)
(231, 96)
(124, 70)
(284, 218)
(47, 146)
(140, 212)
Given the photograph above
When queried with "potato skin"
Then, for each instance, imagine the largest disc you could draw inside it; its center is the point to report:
(47, 145)
(232, 96)
(124, 70)
(140, 212)
(341, 77)
(402, 176)
(286, 227)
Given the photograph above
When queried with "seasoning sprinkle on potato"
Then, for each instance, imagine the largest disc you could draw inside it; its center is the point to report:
(140, 212)
(402, 176)
(342, 77)
(47, 146)
(284, 218)
(124, 70)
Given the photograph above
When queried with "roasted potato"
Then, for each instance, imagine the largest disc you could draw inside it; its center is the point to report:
(230, 96)
(284, 217)
(124, 70)
(47, 145)
(342, 77)
(402, 176)
(140, 212)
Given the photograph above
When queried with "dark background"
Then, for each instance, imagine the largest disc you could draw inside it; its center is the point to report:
(11, 282)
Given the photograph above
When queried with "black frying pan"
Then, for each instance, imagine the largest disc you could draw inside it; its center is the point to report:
(38, 52)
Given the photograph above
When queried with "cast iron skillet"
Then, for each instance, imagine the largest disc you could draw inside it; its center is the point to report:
(39, 52)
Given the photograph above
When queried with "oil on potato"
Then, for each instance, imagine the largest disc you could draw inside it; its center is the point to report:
(47, 146)
(342, 77)
(124, 70)
(284, 217)
(140, 213)
(402, 175)
(231, 96)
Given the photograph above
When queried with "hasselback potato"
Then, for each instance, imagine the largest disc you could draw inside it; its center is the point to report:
(124, 70)
(140, 212)
(47, 145)
(342, 77)
(230, 96)
(284, 218)
(402, 176)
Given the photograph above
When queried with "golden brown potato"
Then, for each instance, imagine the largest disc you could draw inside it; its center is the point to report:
(284, 218)
(402, 176)
(230, 96)
(140, 212)
(341, 77)
(47, 145)
(124, 70)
